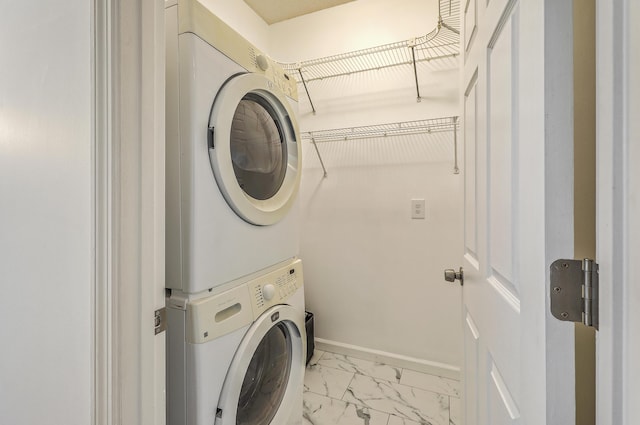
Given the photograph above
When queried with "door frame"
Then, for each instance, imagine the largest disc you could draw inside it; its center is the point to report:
(618, 211)
(128, 363)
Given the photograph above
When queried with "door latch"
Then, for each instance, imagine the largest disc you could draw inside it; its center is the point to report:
(160, 320)
(450, 275)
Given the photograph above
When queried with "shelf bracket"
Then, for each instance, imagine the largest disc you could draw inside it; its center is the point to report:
(304, 83)
(450, 28)
(443, 24)
(319, 157)
(412, 46)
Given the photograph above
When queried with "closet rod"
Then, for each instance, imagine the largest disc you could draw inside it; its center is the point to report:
(404, 128)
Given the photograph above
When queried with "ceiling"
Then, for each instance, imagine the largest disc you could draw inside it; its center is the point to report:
(273, 11)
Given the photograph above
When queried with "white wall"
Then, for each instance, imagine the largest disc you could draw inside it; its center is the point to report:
(239, 16)
(373, 275)
(351, 26)
(45, 212)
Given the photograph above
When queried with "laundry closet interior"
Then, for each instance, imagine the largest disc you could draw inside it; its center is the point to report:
(373, 275)
(361, 103)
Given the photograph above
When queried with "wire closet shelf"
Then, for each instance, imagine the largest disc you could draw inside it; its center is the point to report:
(441, 43)
(405, 128)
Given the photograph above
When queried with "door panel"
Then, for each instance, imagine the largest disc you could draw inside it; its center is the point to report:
(503, 410)
(470, 216)
(469, 22)
(471, 364)
(499, 145)
(513, 205)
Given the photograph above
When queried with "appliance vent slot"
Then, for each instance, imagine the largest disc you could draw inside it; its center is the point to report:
(252, 56)
(259, 297)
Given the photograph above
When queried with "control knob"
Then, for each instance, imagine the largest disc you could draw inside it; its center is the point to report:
(268, 291)
(262, 62)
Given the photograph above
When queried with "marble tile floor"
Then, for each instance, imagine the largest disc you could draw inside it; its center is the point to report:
(343, 390)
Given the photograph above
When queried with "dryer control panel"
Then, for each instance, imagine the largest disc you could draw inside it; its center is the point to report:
(275, 287)
(194, 17)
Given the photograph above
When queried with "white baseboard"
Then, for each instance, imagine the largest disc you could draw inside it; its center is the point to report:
(396, 360)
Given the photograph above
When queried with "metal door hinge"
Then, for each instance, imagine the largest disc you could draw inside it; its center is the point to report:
(574, 291)
(160, 320)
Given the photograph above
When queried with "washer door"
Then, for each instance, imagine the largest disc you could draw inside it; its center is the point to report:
(267, 371)
(254, 149)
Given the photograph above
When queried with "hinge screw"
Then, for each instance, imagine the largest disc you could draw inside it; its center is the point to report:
(565, 265)
(564, 314)
(557, 289)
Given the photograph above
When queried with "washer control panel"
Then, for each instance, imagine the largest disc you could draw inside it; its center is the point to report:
(211, 317)
(275, 287)
(280, 78)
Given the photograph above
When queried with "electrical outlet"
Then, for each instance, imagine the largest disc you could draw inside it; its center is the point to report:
(417, 209)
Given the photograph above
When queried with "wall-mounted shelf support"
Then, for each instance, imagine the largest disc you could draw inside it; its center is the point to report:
(304, 83)
(415, 70)
(443, 24)
(319, 157)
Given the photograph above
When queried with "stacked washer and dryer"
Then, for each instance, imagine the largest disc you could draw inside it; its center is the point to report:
(236, 343)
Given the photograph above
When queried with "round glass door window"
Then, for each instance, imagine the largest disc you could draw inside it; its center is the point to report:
(258, 149)
(254, 149)
(265, 382)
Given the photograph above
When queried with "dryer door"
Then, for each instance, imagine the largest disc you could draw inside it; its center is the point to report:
(265, 378)
(254, 148)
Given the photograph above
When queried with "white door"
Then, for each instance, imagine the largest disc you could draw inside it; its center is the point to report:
(518, 134)
(618, 211)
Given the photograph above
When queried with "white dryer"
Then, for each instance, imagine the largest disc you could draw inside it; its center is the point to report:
(238, 357)
(232, 153)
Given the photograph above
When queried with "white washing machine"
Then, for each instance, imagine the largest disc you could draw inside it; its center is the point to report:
(232, 153)
(238, 357)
